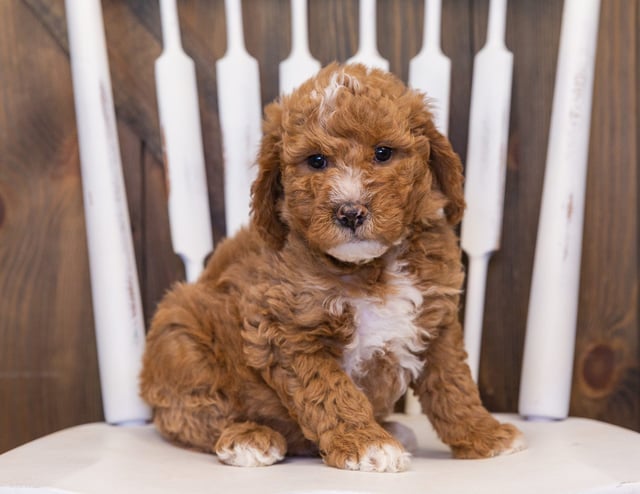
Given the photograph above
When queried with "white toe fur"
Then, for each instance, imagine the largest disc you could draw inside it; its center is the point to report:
(384, 458)
(518, 444)
(246, 456)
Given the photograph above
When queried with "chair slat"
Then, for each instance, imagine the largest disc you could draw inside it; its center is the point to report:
(430, 69)
(430, 72)
(485, 171)
(240, 110)
(367, 53)
(553, 305)
(177, 92)
(117, 306)
(299, 65)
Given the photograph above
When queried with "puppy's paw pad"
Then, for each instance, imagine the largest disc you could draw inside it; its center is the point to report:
(504, 439)
(244, 455)
(383, 458)
(246, 444)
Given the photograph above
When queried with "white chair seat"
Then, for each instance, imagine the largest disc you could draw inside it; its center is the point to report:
(572, 456)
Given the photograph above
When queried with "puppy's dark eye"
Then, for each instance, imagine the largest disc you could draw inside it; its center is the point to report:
(317, 161)
(383, 153)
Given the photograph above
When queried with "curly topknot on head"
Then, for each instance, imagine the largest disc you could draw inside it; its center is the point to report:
(328, 95)
(342, 118)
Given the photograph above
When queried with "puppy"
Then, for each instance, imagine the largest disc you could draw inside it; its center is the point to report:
(308, 326)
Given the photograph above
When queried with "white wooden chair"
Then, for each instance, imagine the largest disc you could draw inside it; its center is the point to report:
(563, 456)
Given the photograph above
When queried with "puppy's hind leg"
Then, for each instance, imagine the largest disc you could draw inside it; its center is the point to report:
(186, 375)
(247, 444)
(196, 427)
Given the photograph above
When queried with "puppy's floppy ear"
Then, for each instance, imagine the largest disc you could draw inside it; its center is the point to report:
(266, 191)
(447, 169)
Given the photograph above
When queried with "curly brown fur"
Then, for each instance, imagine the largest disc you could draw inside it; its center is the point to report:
(308, 326)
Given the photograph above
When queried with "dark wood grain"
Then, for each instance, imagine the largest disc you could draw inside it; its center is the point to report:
(48, 369)
(333, 29)
(607, 372)
(204, 38)
(457, 44)
(399, 25)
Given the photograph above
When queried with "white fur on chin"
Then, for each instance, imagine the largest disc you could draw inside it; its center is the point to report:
(358, 251)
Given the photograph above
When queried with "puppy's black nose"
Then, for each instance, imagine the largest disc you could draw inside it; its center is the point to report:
(351, 215)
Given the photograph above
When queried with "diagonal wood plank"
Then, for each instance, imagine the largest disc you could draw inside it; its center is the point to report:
(48, 367)
(607, 370)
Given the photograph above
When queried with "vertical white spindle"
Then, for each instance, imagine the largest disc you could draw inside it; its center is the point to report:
(240, 110)
(299, 65)
(553, 304)
(430, 70)
(189, 213)
(367, 53)
(485, 170)
(114, 281)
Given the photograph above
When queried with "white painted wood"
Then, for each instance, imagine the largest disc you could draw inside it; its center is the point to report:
(430, 72)
(486, 167)
(367, 53)
(177, 91)
(430, 69)
(299, 65)
(114, 281)
(240, 108)
(569, 457)
(551, 323)
(474, 309)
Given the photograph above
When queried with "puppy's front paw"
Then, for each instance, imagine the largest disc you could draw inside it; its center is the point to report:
(360, 451)
(250, 445)
(380, 458)
(504, 439)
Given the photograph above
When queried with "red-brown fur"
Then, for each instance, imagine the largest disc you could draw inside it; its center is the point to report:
(252, 354)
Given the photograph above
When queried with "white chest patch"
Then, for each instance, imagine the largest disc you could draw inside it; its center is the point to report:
(387, 326)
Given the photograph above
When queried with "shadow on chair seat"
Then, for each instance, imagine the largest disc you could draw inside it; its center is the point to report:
(572, 456)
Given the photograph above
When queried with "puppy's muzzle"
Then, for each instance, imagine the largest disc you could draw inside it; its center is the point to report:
(351, 215)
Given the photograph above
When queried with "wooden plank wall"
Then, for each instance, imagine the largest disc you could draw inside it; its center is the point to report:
(48, 369)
